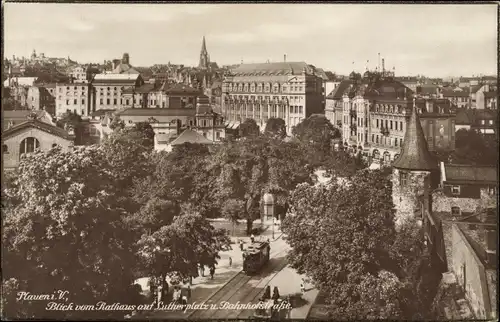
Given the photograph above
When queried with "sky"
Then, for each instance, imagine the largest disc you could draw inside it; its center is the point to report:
(431, 40)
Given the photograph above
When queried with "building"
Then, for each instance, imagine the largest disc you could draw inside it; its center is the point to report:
(30, 135)
(73, 97)
(42, 97)
(486, 99)
(290, 90)
(411, 82)
(458, 96)
(78, 74)
(414, 171)
(477, 95)
(491, 100)
(372, 112)
(484, 121)
(460, 227)
(208, 123)
(166, 142)
(107, 90)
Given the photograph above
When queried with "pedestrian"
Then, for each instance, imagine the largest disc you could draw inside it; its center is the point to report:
(252, 238)
(212, 272)
(230, 261)
(267, 293)
(276, 293)
(302, 286)
(288, 302)
(202, 270)
(184, 303)
(241, 244)
(189, 292)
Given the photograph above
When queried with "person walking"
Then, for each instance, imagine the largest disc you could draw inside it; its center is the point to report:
(189, 292)
(252, 238)
(276, 294)
(212, 272)
(267, 293)
(302, 286)
(230, 261)
(241, 244)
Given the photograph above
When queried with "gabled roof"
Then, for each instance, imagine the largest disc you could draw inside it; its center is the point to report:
(458, 173)
(415, 154)
(54, 130)
(339, 90)
(190, 136)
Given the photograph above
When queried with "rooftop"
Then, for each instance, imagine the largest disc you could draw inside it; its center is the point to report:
(277, 69)
(158, 112)
(459, 173)
(54, 130)
(190, 136)
(339, 91)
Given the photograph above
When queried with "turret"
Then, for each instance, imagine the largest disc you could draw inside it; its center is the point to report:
(412, 170)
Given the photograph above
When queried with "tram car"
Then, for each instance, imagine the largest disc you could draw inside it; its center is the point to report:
(256, 256)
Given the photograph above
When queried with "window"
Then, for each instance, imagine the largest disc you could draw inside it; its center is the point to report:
(28, 145)
(455, 211)
(395, 142)
(396, 125)
(107, 101)
(101, 101)
(455, 190)
(67, 102)
(401, 142)
(373, 137)
(74, 102)
(217, 135)
(492, 190)
(482, 122)
(377, 123)
(5, 148)
(83, 101)
(401, 126)
(114, 101)
(403, 178)
(390, 125)
(491, 122)
(376, 139)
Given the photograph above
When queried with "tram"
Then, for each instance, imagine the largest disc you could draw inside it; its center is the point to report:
(256, 256)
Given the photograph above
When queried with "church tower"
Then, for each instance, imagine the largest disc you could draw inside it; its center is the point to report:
(204, 57)
(413, 171)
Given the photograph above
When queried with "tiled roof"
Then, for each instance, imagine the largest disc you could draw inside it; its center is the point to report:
(415, 154)
(54, 130)
(190, 136)
(470, 174)
(158, 112)
(339, 90)
(452, 93)
(282, 68)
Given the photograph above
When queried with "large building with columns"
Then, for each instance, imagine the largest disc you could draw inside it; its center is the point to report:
(290, 91)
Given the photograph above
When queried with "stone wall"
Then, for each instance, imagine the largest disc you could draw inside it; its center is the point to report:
(405, 197)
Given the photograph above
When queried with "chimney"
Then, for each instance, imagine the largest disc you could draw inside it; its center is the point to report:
(116, 62)
(284, 58)
(383, 66)
(126, 59)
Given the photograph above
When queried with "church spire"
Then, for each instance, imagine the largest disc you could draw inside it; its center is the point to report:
(204, 57)
(415, 154)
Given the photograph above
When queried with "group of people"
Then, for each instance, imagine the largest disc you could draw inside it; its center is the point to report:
(276, 298)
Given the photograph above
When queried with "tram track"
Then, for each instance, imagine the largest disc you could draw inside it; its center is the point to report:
(240, 289)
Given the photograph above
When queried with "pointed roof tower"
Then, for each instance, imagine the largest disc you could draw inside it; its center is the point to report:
(203, 46)
(204, 58)
(415, 155)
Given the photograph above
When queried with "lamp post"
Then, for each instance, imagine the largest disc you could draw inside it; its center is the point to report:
(269, 207)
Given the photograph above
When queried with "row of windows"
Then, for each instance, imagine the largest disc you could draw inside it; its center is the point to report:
(389, 125)
(75, 101)
(252, 88)
(75, 88)
(385, 140)
(294, 109)
(28, 145)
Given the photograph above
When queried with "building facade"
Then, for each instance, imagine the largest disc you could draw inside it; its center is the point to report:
(107, 90)
(30, 136)
(42, 97)
(78, 75)
(75, 98)
(290, 91)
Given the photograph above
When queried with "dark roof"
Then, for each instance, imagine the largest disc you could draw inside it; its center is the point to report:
(282, 68)
(445, 105)
(455, 173)
(475, 88)
(20, 114)
(339, 90)
(182, 89)
(158, 111)
(427, 89)
(415, 154)
(490, 94)
(54, 130)
(464, 117)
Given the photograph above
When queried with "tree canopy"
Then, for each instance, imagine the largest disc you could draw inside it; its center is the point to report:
(248, 128)
(276, 127)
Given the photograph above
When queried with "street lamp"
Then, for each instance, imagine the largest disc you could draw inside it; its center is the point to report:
(269, 207)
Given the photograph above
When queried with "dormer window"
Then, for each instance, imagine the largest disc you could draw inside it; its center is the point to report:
(455, 190)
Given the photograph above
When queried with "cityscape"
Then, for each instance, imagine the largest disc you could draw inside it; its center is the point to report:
(249, 161)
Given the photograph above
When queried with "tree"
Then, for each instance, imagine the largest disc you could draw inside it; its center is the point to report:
(64, 206)
(248, 128)
(316, 129)
(474, 148)
(147, 132)
(342, 164)
(116, 123)
(276, 127)
(340, 236)
(73, 120)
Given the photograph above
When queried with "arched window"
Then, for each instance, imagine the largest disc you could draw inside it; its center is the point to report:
(28, 145)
